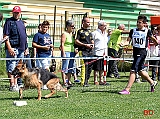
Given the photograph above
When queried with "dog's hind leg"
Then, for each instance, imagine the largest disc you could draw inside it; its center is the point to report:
(54, 84)
(59, 87)
(50, 94)
(39, 91)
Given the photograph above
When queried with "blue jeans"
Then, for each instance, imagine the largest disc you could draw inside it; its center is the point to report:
(28, 61)
(45, 63)
(68, 63)
(11, 64)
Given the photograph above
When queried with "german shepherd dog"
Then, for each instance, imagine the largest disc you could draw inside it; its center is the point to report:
(36, 78)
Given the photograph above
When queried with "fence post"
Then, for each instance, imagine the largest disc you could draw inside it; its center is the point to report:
(39, 19)
(101, 14)
(128, 25)
(66, 17)
(54, 24)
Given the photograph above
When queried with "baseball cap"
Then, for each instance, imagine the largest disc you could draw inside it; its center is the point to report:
(16, 9)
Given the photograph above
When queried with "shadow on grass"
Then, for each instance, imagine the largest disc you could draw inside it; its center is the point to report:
(29, 98)
(107, 91)
(117, 80)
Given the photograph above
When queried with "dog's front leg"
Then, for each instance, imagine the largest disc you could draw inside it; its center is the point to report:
(39, 92)
(21, 91)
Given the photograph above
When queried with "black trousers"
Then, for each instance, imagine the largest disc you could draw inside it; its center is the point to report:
(112, 64)
(88, 69)
(88, 65)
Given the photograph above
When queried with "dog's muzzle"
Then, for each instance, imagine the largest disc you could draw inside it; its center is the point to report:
(16, 73)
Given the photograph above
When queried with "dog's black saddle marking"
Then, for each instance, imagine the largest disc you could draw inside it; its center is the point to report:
(43, 74)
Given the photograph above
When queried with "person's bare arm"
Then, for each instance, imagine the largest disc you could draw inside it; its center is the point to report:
(52, 49)
(125, 32)
(154, 40)
(126, 42)
(35, 45)
(89, 46)
(63, 39)
(8, 45)
(77, 42)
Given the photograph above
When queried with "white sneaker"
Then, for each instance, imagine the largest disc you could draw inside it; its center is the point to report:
(14, 88)
(137, 80)
(44, 87)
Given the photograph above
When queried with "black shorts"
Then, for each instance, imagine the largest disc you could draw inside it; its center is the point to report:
(98, 65)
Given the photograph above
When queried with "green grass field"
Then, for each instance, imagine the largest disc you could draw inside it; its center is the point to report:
(94, 102)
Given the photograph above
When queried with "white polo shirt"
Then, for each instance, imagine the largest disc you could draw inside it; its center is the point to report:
(100, 42)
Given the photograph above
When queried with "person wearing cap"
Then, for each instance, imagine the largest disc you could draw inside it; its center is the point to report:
(100, 48)
(16, 45)
(67, 50)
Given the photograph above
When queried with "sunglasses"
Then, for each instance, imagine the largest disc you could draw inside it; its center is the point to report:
(72, 27)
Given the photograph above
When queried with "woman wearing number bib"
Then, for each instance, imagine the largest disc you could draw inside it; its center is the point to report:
(139, 37)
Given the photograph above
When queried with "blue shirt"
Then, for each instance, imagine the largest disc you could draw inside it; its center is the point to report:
(21, 30)
(43, 40)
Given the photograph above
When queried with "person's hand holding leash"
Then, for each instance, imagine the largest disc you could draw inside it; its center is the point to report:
(89, 46)
(11, 52)
(121, 45)
(47, 47)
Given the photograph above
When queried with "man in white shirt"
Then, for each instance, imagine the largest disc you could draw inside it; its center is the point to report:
(100, 48)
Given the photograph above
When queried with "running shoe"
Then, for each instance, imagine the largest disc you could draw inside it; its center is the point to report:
(124, 92)
(153, 86)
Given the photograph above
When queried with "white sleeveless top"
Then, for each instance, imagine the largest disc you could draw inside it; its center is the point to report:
(139, 38)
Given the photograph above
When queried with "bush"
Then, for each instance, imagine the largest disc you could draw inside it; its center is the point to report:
(125, 66)
(2, 62)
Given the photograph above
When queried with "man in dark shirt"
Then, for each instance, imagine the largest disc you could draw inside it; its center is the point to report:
(15, 46)
(85, 44)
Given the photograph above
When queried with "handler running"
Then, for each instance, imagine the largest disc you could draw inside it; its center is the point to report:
(139, 37)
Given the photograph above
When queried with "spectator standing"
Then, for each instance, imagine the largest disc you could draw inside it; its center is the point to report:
(100, 48)
(158, 38)
(85, 44)
(154, 52)
(113, 48)
(43, 44)
(14, 28)
(67, 50)
(139, 37)
(109, 32)
(1, 29)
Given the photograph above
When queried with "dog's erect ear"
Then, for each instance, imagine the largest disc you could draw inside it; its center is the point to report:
(20, 62)
(24, 65)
